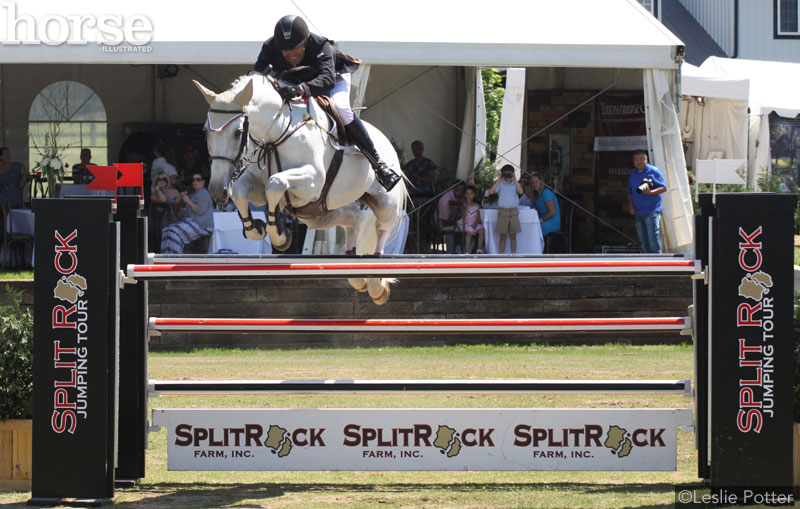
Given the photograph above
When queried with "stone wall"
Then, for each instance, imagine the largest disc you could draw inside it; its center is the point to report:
(605, 197)
(534, 297)
(541, 297)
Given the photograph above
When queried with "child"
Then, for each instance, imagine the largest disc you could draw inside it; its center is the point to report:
(471, 221)
(508, 190)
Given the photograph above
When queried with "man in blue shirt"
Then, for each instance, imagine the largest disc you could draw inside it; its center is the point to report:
(646, 184)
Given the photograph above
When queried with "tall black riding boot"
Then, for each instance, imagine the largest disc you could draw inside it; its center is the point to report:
(357, 134)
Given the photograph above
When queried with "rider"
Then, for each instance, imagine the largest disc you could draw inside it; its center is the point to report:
(294, 45)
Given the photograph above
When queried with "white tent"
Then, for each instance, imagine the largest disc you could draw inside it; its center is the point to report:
(567, 33)
(612, 34)
(714, 115)
(772, 88)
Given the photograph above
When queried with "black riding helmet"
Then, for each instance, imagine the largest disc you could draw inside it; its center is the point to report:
(290, 32)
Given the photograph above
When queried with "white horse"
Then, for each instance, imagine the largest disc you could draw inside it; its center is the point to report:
(286, 150)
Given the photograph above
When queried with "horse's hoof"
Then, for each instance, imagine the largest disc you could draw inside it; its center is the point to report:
(261, 227)
(351, 252)
(287, 243)
(384, 298)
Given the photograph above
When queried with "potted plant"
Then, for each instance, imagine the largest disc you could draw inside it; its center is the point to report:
(16, 392)
(51, 167)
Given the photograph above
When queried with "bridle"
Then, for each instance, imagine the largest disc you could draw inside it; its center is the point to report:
(263, 155)
(245, 133)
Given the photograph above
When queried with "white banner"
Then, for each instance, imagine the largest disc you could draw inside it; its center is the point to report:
(415, 439)
(619, 143)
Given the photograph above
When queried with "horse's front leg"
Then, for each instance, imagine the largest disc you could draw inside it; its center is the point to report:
(304, 183)
(246, 189)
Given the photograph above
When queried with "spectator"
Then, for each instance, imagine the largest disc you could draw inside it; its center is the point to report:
(527, 192)
(80, 172)
(165, 160)
(547, 205)
(164, 200)
(421, 171)
(645, 186)
(450, 210)
(508, 191)
(191, 165)
(13, 177)
(199, 221)
(471, 223)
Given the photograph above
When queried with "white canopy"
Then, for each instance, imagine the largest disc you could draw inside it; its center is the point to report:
(773, 85)
(707, 83)
(505, 33)
(717, 126)
(723, 122)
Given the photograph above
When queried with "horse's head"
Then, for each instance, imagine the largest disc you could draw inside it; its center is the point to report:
(225, 134)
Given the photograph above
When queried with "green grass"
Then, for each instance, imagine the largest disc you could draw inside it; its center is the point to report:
(23, 274)
(162, 488)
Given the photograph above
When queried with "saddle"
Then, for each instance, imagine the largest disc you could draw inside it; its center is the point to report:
(327, 106)
(305, 73)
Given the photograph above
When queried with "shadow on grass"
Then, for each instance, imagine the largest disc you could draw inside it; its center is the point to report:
(220, 495)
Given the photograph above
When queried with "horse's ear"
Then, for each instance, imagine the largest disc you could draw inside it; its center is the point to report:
(208, 94)
(244, 96)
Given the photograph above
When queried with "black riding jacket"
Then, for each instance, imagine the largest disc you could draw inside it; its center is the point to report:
(321, 55)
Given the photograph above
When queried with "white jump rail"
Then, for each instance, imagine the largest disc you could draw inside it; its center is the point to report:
(522, 386)
(283, 266)
(421, 325)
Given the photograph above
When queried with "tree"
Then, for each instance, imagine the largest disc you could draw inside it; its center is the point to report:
(493, 93)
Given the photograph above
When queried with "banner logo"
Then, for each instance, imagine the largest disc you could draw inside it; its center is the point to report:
(112, 32)
(69, 324)
(754, 325)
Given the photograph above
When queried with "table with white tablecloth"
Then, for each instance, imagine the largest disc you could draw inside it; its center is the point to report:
(529, 240)
(227, 235)
(331, 241)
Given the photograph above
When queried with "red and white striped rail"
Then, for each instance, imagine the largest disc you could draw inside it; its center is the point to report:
(524, 386)
(422, 325)
(282, 267)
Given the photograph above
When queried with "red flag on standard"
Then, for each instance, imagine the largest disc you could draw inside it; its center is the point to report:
(105, 178)
(132, 174)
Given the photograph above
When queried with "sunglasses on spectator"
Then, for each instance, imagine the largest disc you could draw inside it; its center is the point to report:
(161, 179)
(197, 179)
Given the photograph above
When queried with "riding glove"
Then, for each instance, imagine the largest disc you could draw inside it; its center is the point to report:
(289, 92)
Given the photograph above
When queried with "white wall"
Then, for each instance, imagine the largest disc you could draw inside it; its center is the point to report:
(716, 16)
(755, 34)
(756, 29)
(415, 111)
(131, 93)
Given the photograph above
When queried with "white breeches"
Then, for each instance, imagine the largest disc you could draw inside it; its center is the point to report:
(340, 96)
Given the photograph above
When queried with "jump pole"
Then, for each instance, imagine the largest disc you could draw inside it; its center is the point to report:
(741, 239)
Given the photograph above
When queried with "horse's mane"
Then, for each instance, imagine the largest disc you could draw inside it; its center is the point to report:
(261, 85)
(241, 81)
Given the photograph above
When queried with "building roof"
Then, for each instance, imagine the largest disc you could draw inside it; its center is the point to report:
(699, 44)
(502, 33)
